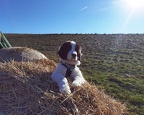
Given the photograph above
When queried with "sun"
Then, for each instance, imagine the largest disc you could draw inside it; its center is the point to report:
(137, 5)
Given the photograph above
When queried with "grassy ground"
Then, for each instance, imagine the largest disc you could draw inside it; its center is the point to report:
(114, 62)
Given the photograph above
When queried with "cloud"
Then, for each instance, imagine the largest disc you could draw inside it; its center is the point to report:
(83, 8)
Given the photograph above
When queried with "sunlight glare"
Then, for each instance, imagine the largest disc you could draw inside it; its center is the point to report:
(137, 5)
(131, 9)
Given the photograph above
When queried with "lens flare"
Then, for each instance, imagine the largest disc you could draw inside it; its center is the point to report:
(134, 4)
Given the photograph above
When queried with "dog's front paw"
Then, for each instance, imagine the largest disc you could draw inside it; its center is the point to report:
(65, 91)
(76, 83)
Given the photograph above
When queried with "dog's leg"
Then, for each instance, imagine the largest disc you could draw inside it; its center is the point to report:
(77, 77)
(78, 81)
(62, 83)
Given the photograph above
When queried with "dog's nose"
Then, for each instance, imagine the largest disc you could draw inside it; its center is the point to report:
(73, 55)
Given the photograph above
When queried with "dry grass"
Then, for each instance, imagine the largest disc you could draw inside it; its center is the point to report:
(27, 89)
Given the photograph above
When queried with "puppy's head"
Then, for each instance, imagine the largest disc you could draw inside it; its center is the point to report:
(70, 51)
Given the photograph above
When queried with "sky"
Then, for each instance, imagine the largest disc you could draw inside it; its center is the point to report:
(72, 16)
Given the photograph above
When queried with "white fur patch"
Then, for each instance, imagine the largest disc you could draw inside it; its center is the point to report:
(72, 51)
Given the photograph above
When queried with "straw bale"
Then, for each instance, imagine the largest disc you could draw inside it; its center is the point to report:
(27, 89)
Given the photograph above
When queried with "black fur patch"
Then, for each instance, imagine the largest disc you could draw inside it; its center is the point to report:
(78, 49)
(64, 49)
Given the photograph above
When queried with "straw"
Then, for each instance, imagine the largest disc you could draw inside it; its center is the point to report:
(27, 89)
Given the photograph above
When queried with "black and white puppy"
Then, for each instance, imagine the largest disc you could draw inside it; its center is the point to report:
(70, 55)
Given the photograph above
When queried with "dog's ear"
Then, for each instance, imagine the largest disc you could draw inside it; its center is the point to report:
(64, 49)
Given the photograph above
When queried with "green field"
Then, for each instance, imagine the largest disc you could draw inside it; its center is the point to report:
(113, 62)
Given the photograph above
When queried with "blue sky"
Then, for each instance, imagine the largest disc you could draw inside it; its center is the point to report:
(72, 16)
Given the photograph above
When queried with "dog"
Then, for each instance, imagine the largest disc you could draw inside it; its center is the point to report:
(70, 57)
(20, 54)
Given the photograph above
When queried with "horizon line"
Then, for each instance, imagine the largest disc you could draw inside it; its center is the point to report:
(68, 33)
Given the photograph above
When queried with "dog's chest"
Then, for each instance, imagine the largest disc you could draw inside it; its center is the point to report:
(69, 70)
(63, 70)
